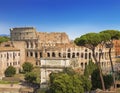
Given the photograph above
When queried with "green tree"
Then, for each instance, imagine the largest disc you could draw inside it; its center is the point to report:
(10, 71)
(27, 67)
(91, 41)
(69, 71)
(4, 39)
(89, 69)
(86, 83)
(64, 83)
(114, 34)
(31, 77)
(95, 78)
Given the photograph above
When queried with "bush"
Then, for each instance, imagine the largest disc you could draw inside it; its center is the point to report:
(27, 67)
(30, 77)
(10, 71)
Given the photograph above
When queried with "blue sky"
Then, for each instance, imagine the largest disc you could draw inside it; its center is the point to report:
(75, 17)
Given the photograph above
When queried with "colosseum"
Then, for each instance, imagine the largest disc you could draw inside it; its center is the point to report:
(39, 45)
(36, 47)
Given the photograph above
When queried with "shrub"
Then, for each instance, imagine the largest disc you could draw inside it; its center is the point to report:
(10, 71)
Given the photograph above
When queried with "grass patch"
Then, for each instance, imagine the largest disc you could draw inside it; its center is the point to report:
(8, 82)
(41, 91)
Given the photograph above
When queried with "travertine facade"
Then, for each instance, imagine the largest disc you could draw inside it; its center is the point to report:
(49, 65)
(54, 45)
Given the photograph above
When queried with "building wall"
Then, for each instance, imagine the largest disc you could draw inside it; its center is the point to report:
(9, 57)
(23, 33)
(117, 47)
(55, 45)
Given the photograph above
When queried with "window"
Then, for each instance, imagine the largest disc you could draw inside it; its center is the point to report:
(85, 55)
(68, 55)
(36, 55)
(31, 54)
(48, 54)
(53, 54)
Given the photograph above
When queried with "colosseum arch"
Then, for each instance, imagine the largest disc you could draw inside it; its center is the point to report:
(73, 55)
(53, 54)
(68, 55)
(59, 54)
(48, 54)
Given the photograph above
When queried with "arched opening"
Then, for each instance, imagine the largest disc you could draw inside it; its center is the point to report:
(89, 55)
(36, 55)
(53, 54)
(85, 55)
(73, 55)
(81, 55)
(31, 54)
(59, 54)
(68, 55)
(48, 54)
(82, 65)
(40, 54)
(85, 50)
(77, 54)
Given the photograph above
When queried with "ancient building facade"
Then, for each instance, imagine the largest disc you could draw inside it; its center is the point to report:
(39, 45)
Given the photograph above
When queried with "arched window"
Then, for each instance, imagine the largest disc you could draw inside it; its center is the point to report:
(82, 65)
(48, 54)
(68, 55)
(81, 55)
(59, 54)
(85, 55)
(78, 54)
(73, 55)
(40, 54)
(31, 54)
(53, 54)
(36, 55)
(89, 55)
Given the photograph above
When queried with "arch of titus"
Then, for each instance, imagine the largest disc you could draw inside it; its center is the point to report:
(35, 46)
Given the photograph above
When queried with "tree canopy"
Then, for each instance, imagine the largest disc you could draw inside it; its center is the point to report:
(88, 40)
(69, 82)
(95, 78)
(114, 34)
(31, 77)
(4, 39)
(27, 67)
(89, 68)
(10, 71)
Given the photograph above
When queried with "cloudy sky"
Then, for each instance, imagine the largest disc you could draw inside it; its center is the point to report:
(75, 17)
